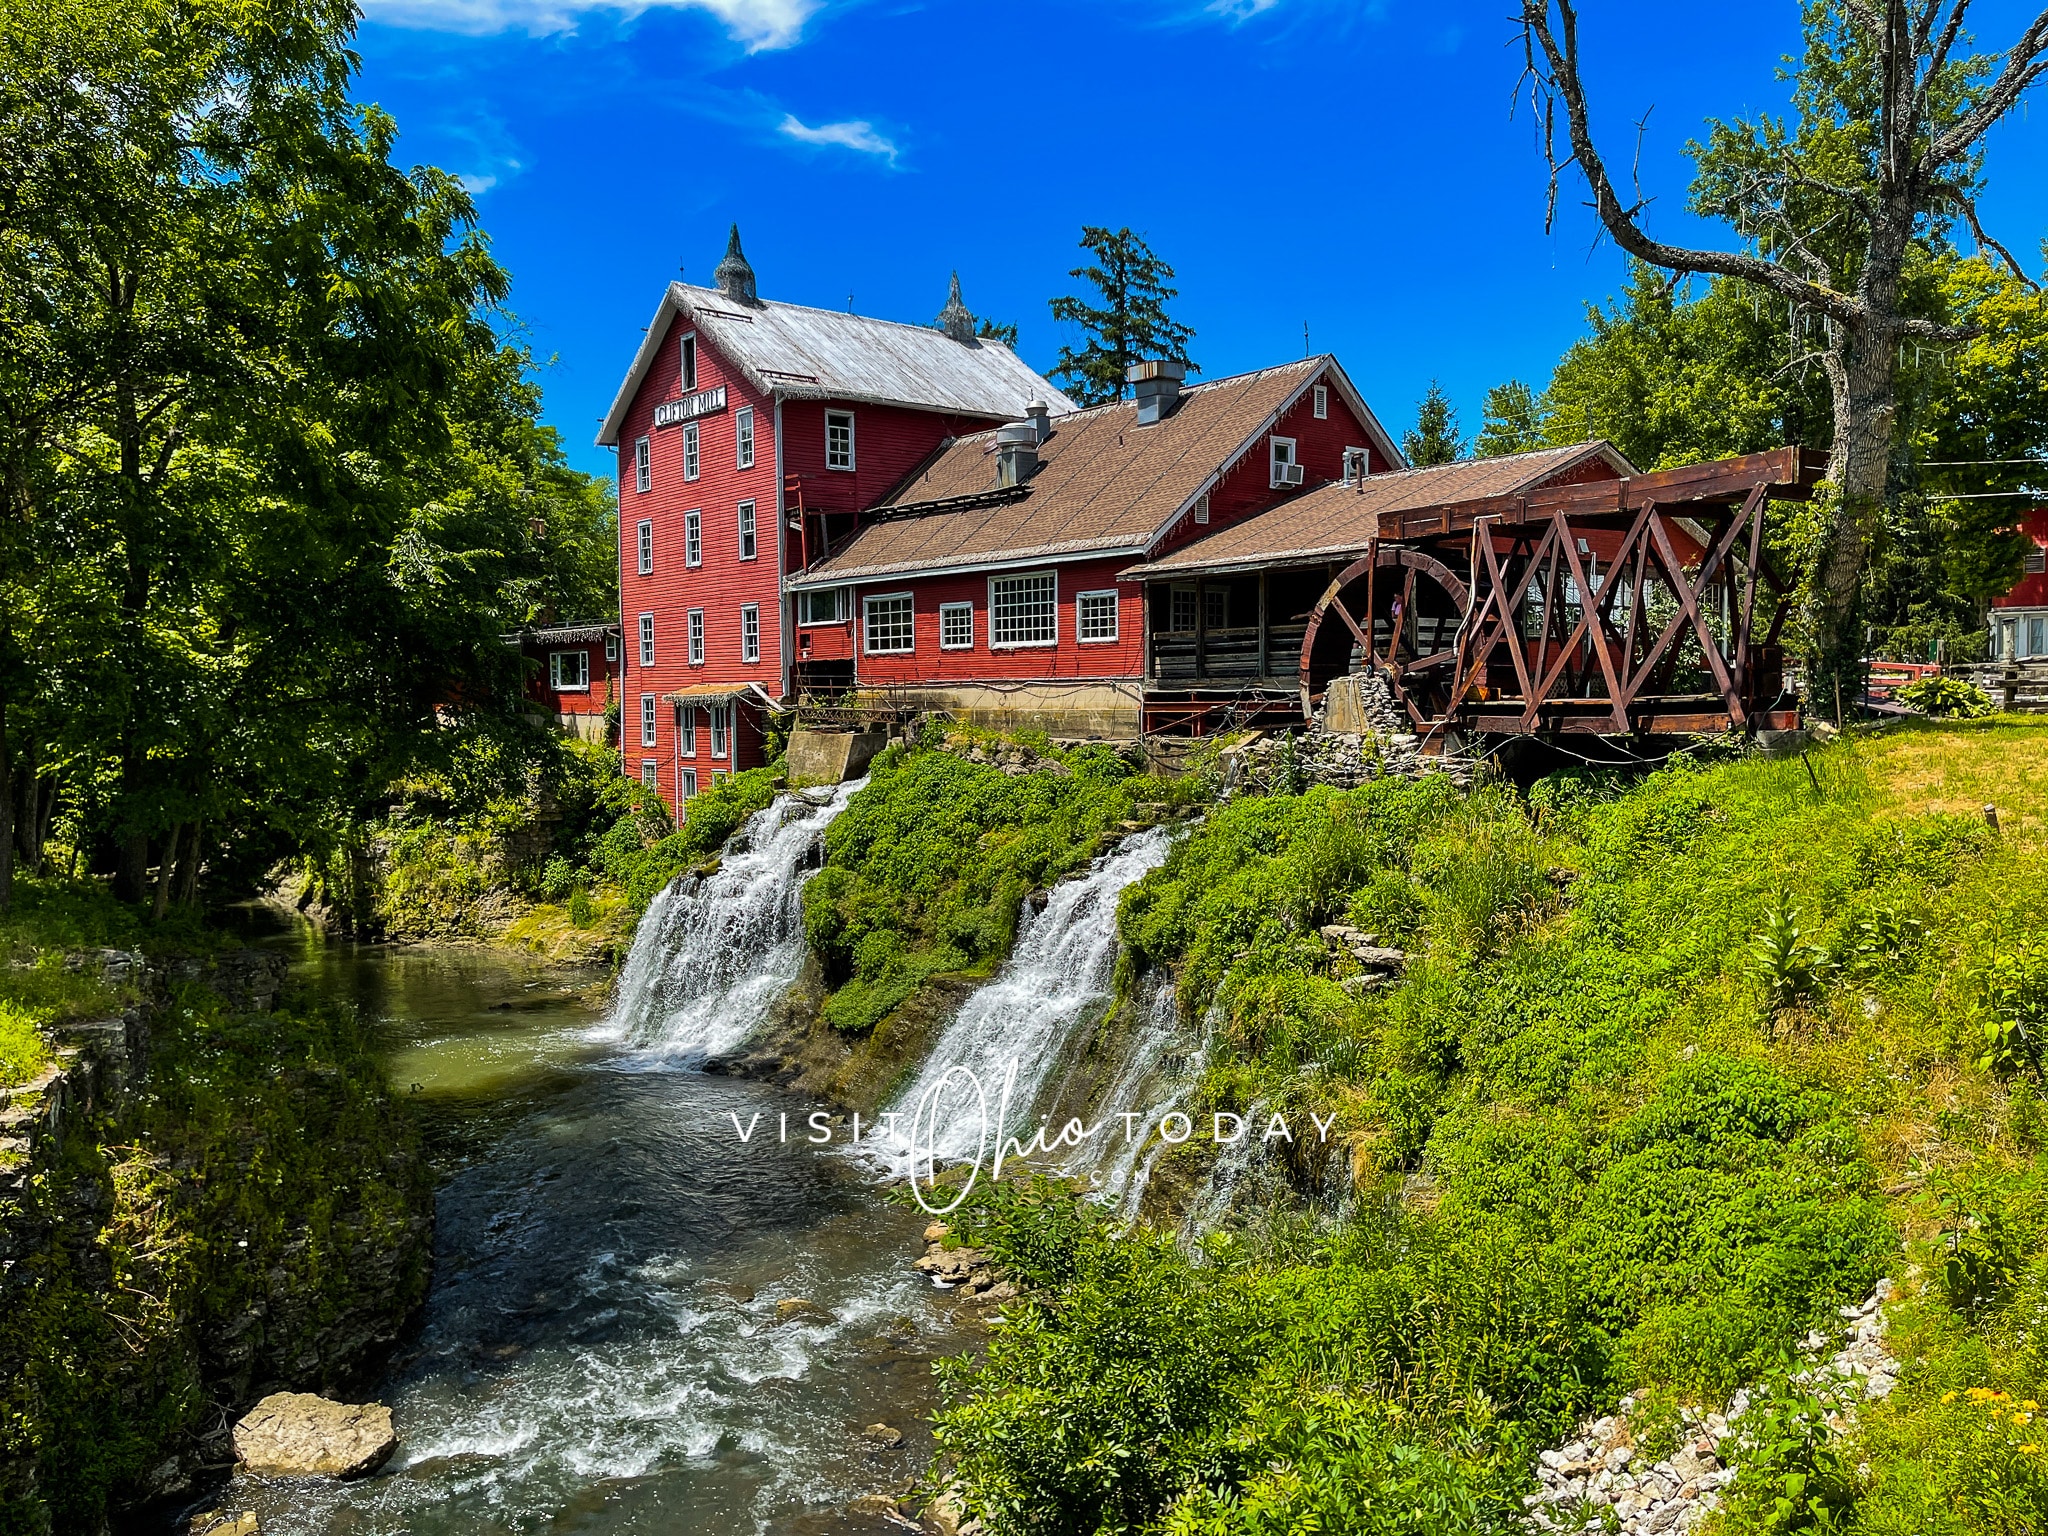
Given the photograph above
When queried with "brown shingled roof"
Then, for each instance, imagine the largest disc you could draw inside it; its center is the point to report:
(1337, 521)
(1104, 483)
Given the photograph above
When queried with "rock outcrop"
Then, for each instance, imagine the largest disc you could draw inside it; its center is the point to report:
(296, 1434)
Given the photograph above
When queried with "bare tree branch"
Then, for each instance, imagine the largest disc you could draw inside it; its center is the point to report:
(2023, 66)
(1967, 206)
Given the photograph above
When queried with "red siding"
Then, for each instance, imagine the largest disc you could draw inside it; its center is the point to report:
(2030, 591)
(1123, 657)
(888, 443)
(583, 701)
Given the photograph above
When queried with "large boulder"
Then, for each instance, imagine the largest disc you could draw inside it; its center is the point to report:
(295, 1434)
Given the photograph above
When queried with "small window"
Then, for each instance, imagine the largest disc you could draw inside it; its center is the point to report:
(646, 547)
(692, 435)
(2037, 636)
(689, 364)
(890, 625)
(1216, 607)
(686, 730)
(1285, 470)
(1183, 609)
(643, 464)
(956, 626)
(650, 773)
(1023, 610)
(569, 671)
(719, 776)
(721, 733)
(1095, 617)
(696, 637)
(747, 545)
(693, 538)
(611, 648)
(646, 639)
(1202, 508)
(1322, 402)
(1356, 465)
(743, 426)
(2036, 561)
(821, 605)
(689, 783)
(750, 632)
(839, 439)
(647, 721)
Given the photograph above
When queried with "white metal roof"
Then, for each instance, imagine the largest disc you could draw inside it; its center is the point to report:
(802, 353)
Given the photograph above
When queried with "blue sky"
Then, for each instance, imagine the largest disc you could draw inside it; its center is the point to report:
(1348, 167)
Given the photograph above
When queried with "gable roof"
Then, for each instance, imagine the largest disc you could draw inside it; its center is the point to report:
(802, 353)
(1105, 485)
(1337, 521)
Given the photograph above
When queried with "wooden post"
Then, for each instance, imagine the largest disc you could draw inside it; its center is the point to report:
(1264, 626)
(1201, 629)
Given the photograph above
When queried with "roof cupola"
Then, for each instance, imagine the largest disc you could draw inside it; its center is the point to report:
(956, 319)
(735, 275)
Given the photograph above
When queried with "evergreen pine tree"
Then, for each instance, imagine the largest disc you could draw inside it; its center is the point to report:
(1130, 325)
(1434, 438)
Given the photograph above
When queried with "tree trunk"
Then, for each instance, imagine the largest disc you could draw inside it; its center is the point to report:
(1862, 374)
(6, 815)
(166, 867)
(188, 877)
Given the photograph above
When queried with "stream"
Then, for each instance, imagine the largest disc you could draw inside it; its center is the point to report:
(602, 1349)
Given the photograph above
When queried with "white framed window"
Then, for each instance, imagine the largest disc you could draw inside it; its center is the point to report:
(1202, 508)
(1024, 610)
(720, 775)
(1094, 617)
(890, 623)
(1286, 471)
(696, 637)
(748, 544)
(650, 772)
(692, 440)
(750, 632)
(611, 647)
(821, 605)
(569, 671)
(1356, 465)
(721, 733)
(643, 464)
(1322, 402)
(689, 361)
(686, 730)
(743, 432)
(2037, 635)
(693, 538)
(956, 626)
(647, 721)
(646, 531)
(1183, 606)
(839, 439)
(646, 639)
(689, 777)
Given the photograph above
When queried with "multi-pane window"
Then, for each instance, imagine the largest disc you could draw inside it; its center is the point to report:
(692, 437)
(646, 639)
(693, 538)
(689, 783)
(1183, 609)
(569, 671)
(686, 730)
(611, 647)
(647, 719)
(696, 637)
(839, 439)
(643, 464)
(743, 428)
(646, 547)
(1216, 607)
(689, 364)
(889, 625)
(1023, 610)
(1322, 402)
(820, 605)
(956, 626)
(721, 731)
(650, 772)
(720, 775)
(1095, 616)
(750, 632)
(747, 545)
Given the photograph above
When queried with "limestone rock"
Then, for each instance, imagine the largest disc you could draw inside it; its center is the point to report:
(883, 1437)
(296, 1434)
(219, 1522)
(798, 1307)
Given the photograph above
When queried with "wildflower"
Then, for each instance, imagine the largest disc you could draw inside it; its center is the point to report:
(2028, 1449)
(2023, 1418)
(2030, 1405)
(1948, 1397)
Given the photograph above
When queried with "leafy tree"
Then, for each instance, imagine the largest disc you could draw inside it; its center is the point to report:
(1834, 210)
(1512, 422)
(1130, 325)
(1434, 438)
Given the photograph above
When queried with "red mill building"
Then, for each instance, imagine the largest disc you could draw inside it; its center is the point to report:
(816, 503)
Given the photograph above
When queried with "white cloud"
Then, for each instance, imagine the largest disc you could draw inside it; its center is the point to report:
(1239, 10)
(477, 186)
(758, 24)
(859, 136)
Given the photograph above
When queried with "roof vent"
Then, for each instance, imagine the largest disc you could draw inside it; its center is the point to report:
(1157, 387)
(956, 319)
(1039, 414)
(1016, 453)
(735, 276)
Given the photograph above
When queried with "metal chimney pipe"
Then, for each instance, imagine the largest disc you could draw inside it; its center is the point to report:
(1156, 384)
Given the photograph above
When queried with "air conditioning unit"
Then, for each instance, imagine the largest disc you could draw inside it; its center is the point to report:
(1286, 474)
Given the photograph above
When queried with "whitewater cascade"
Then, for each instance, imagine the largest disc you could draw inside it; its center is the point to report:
(713, 954)
(1057, 979)
(1156, 1079)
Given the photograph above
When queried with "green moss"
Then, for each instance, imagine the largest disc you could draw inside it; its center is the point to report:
(23, 1051)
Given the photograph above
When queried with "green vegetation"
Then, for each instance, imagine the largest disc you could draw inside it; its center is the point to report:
(1946, 698)
(1676, 1069)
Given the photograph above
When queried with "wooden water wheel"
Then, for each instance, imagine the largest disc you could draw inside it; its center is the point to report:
(1397, 611)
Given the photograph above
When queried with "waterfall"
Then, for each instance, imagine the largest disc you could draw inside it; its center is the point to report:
(1157, 1076)
(713, 954)
(1056, 980)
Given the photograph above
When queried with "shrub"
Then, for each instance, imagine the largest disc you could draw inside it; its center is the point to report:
(1942, 698)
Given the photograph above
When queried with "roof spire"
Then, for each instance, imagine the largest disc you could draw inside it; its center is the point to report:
(956, 319)
(735, 277)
